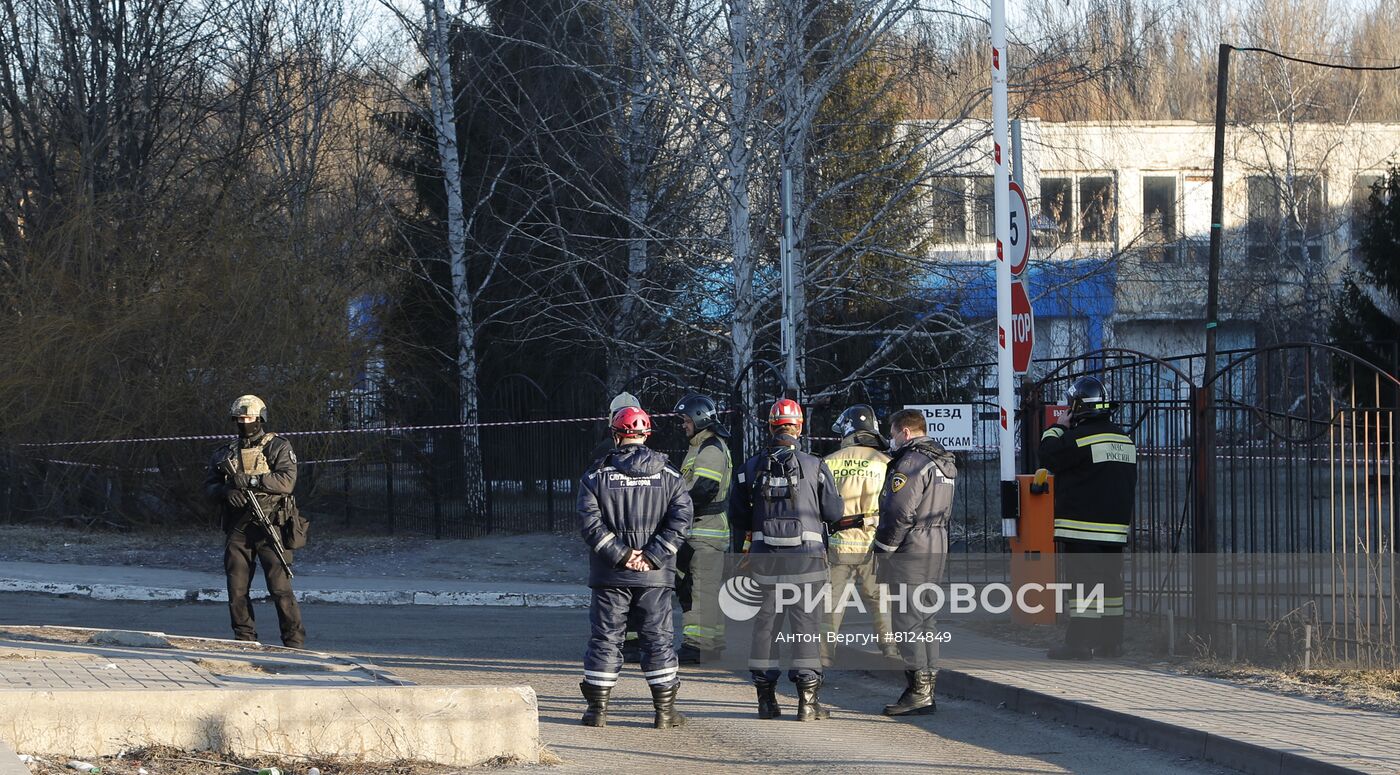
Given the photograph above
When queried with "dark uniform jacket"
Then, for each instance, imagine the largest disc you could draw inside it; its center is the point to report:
(916, 505)
(631, 499)
(280, 480)
(785, 498)
(1095, 468)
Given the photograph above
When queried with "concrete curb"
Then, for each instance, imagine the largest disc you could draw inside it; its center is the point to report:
(133, 592)
(1241, 755)
(10, 763)
(1247, 757)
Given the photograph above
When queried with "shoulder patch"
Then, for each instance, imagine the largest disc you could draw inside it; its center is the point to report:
(897, 482)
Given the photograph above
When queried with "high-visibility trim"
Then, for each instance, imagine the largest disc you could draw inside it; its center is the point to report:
(702, 631)
(1052, 433)
(663, 671)
(709, 473)
(1095, 527)
(600, 674)
(669, 548)
(839, 540)
(1086, 535)
(604, 541)
(600, 682)
(630, 636)
(886, 547)
(708, 532)
(1100, 438)
(1087, 613)
(807, 535)
(662, 679)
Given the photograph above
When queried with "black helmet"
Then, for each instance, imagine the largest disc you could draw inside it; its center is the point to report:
(860, 417)
(1088, 400)
(701, 410)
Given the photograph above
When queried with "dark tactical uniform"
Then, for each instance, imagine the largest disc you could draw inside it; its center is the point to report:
(911, 543)
(632, 499)
(270, 458)
(786, 499)
(1095, 468)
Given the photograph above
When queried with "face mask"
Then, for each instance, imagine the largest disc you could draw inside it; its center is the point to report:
(247, 430)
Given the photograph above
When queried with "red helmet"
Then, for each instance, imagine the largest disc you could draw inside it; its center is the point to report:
(631, 421)
(785, 411)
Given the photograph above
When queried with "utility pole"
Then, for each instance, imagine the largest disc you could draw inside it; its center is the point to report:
(1203, 523)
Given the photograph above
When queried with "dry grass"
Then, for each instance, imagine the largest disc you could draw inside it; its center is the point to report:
(159, 760)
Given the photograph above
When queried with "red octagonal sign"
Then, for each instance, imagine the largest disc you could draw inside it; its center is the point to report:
(1022, 327)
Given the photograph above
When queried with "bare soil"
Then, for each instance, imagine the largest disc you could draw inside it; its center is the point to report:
(172, 761)
(532, 557)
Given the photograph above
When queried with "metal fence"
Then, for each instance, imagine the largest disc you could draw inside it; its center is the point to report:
(1287, 550)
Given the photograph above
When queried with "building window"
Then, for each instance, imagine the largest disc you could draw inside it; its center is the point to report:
(1361, 192)
(1056, 203)
(949, 205)
(984, 208)
(1097, 209)
(1286, 219)
(1159, 234)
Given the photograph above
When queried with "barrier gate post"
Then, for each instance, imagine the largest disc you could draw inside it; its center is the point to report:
(1033, 550)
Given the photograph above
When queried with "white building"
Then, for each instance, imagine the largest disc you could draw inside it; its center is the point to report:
(1123, 210)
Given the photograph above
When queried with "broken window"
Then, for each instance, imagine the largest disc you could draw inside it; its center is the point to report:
(1056, 203)
(1097, 209)
(1159, 217)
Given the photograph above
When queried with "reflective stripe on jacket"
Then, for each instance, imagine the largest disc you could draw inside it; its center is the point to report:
(1095, 468)
(859, 469)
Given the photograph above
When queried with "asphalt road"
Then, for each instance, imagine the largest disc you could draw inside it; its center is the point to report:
(543, 647)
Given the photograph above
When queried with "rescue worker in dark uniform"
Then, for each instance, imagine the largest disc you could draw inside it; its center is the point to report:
(1095, 468)
(707, 470)
(859, 467)
(634, 513)
(786, 500)
(911, 547)
(258, 465)
(631, 647)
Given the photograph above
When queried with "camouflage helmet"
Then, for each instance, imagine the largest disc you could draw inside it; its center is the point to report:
(249, 405)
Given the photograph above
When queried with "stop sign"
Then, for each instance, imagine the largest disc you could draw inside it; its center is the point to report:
(1022, 327)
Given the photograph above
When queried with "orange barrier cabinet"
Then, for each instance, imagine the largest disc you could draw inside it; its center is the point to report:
(1033, 548)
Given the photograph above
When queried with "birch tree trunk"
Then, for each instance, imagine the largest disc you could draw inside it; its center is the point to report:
(437, 50)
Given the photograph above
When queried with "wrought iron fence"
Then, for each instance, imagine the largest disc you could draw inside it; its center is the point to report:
(1290, 548)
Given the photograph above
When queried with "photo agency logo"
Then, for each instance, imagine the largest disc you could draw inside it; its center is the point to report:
(741, 598)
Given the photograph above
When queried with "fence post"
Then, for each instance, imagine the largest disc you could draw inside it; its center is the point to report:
(1307, 647)
(389, 484)
(549, 451)
(1171, 632)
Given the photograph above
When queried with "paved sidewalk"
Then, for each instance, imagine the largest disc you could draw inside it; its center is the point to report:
(1241, 727)
(1245, 728)
(137, 583)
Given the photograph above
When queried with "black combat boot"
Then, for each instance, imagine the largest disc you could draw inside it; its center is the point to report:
(917, 699)
(767, 699)
(663, 698)
(597, 696)
(809, 707)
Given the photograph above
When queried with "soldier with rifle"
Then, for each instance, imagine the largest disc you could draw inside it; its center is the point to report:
(251, 479)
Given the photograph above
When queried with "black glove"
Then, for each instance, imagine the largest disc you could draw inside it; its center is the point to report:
(236, 498)
(848, 523)
(242, 481)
